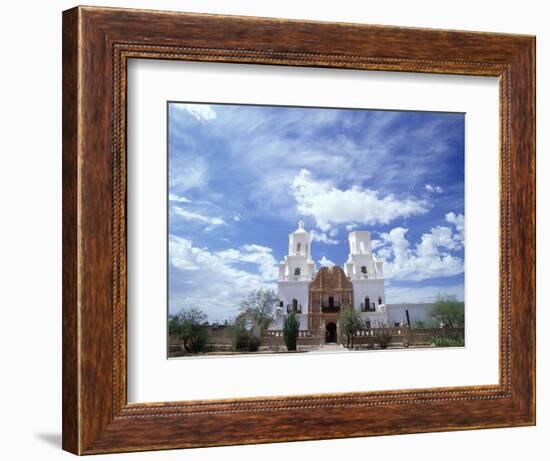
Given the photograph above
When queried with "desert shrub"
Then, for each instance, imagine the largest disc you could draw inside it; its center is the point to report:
(253, 343)
(291, 327)
(383, 338)
(456, 340)
(198, 342)
(239, 335)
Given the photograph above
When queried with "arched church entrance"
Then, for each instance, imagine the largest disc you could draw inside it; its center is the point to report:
(330, 334)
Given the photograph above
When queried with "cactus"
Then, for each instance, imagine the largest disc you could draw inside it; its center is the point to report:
(290, 331)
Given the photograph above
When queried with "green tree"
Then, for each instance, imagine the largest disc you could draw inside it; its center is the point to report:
(291, 327)
(191, 327)
(448, 311)
(350, 322)
(261, 304)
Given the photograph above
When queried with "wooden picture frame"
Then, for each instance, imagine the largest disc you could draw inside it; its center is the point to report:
(97, 43)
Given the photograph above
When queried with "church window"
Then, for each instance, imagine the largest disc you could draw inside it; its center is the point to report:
(295, 304)
(298, 247)
(379, 300)
(297, 271)
(363, 269)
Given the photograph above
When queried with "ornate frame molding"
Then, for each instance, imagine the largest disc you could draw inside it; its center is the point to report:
(97, 43)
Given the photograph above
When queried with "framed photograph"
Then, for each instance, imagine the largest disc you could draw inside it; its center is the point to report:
(237, 286)
(282, 230)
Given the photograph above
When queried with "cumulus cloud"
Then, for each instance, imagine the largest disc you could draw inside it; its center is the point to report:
(375, 243)
(431, 257)
(211, 222)
(323, 237)
(325, 262)
(458, 222)
(329, 205)
(216, 281)
(434, 189)
(256, 254)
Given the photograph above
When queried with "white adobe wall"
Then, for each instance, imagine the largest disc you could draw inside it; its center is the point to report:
(356, 261)
(287, 291)
(373, 288)
(417, 312)
(377, 319)
(303, 321)
(280, 318)
(307, 270)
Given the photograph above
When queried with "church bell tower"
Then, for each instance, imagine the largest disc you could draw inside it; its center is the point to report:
(296, 271)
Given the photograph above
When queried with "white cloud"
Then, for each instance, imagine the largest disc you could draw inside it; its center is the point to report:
(329, 205)
(184, 178)
(434, 189)
(178, 198)
(265, 151)
(350, 227)
(201, 112)
(236, 218)
(439, 237)
(256, 254)
(197, 217)
(375, 243)
(322, 237)
(430, 258)
(183, 255)
(216, 281)
(324, 262)
(458, 221)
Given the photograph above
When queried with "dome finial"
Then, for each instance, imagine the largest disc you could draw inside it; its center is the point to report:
(301, 224)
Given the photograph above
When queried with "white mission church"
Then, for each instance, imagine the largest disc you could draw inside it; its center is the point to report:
(317, 296)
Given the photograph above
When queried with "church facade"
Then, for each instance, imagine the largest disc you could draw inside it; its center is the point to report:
(318, 296)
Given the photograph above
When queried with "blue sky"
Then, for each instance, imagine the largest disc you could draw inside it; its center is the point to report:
(241, 177)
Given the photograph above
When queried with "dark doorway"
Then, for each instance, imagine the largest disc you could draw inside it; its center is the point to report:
(331, 302)
(330, 334)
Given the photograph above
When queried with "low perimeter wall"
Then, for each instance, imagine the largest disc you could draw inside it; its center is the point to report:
(400, 336)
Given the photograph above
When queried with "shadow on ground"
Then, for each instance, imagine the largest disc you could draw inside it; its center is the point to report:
(51, 438)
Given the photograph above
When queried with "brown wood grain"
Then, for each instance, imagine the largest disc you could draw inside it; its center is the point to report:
(70, 384)
(97, 43)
